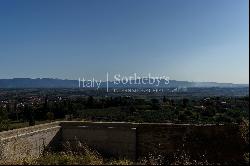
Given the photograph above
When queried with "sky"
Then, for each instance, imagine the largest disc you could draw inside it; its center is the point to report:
(191, 40)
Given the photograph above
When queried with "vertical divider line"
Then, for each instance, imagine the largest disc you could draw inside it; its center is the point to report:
(107, 82)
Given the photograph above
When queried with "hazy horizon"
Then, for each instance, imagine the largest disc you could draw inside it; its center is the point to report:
(187, 40)
(87, 79)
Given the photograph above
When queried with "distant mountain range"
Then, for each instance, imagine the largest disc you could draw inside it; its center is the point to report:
(60, 83)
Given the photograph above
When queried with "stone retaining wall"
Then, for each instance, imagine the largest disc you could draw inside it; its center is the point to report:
(28, 142)
(128, 140)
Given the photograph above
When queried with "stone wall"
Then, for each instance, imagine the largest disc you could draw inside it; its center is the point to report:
(110, 139)
(128, 140)
(28, 142)
(215, 143)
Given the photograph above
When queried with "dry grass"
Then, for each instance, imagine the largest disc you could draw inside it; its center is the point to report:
(80, 154)
(244, 129)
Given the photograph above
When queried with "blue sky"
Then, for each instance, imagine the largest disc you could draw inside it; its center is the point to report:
(194, 40)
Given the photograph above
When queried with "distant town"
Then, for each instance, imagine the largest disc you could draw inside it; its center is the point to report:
(173, 105)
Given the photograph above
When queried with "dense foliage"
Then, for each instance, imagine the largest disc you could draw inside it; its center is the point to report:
(123, 108)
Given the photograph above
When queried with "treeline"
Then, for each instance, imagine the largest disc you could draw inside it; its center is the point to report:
(143, 109)
(206, 110)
